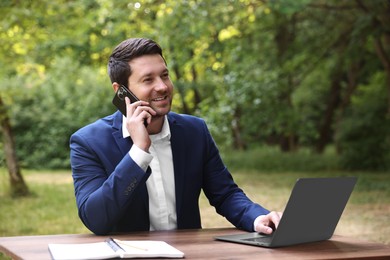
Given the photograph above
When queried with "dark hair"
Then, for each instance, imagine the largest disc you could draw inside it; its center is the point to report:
(118, 64)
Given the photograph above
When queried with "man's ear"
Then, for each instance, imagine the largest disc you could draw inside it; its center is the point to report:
(115, 86)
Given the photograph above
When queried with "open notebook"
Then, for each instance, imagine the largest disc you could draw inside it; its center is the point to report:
(114, 248)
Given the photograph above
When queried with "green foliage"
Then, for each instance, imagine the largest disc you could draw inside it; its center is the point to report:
(271, 159)
(46, 114)
(259, 71)
(365, 134)
(308, 101)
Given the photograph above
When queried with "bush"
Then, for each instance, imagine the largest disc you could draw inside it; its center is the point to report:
(48, 112)
(271, 159)
(364, 138)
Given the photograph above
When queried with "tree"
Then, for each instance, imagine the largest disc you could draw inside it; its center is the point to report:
(284, 73)
(17, 184)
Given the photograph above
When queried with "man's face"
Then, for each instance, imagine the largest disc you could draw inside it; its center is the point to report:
(150, 82)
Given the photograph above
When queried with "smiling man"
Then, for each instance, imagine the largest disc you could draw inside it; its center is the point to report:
(131, 177)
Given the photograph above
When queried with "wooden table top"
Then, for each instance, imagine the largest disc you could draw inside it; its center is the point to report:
(200, 244)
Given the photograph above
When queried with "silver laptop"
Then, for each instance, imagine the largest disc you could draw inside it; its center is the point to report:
(311, 214)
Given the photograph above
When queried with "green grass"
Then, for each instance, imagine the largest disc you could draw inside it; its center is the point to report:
(52, 209)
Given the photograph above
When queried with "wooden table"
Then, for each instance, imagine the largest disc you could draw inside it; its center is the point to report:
(200, 244)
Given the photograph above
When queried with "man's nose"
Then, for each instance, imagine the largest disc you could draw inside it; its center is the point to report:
(161, 85)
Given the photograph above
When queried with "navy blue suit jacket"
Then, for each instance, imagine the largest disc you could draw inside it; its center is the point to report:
(110, 187)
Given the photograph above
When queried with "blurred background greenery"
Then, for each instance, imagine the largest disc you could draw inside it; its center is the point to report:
(289, 74)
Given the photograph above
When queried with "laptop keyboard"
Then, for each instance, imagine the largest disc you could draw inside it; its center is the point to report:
(259, 239)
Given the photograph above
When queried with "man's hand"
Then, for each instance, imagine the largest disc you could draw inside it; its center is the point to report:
(137, 113)
(268, 223)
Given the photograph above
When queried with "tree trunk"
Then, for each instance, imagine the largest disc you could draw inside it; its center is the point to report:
(325, 128)
(385, 59)
(238, 142)
(17, 184)
(284, 37)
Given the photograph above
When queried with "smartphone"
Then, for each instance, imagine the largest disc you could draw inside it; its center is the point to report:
(119, 100)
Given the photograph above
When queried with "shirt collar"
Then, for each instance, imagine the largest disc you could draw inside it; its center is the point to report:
(164, 134)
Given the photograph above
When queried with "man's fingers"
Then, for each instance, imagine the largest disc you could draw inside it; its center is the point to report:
(139, 108)
(266, 230)
(275, 218)
(268, 222)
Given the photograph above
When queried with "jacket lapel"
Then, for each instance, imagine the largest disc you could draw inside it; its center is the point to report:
(124, 144)
(178, 148)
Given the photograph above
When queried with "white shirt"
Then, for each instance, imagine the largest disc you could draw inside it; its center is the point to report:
(161, 183)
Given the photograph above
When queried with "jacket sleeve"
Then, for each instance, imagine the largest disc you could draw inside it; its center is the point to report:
(102, 195)
(223, 193)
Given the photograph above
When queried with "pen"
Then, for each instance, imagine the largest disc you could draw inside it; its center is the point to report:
(124, 243)
(114, 245)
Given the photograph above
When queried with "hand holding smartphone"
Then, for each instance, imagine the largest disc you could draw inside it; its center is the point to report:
(119, 100)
